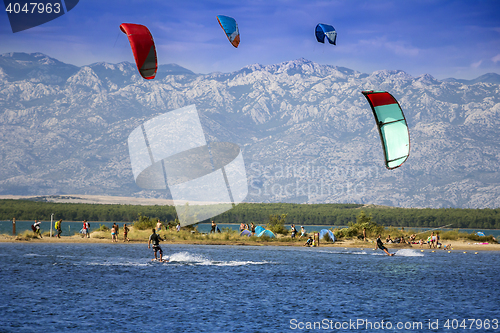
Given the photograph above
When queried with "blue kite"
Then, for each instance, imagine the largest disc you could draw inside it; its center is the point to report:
(326, 30)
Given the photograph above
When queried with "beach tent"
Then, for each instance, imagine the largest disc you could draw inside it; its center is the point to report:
(324, 232)
(267, 233)
(245, 233)
(480, 233)
(259, 229)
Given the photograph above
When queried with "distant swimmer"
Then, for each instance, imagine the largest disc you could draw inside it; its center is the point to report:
(382, 247)
(154, 240)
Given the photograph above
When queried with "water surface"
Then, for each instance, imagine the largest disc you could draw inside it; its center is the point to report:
(116, 287)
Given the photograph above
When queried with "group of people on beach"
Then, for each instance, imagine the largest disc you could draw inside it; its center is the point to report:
(294, 231)
(401, 240)
(85, 231)
(115, 231)
(37, 229)
(246, 226)
(160, 226)
(433, 241)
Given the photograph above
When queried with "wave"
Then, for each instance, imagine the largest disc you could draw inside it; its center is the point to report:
(35, 255)
(408, 253)
(196, 259)
(399, 253)
(124, 263)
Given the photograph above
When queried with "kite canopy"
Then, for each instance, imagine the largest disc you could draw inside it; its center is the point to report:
(230, 27)
(392, 127)
(143, 47)
(325, 30)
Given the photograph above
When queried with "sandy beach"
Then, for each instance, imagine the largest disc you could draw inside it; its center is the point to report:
(457, 245)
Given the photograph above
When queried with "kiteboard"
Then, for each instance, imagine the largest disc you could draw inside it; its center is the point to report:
(158, 260)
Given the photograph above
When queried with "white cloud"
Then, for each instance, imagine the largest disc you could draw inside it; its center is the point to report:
(476, 64)
(496, 58)
(396, 47)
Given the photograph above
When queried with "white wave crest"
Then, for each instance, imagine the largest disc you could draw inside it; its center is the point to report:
(196, 259)
(408, 253)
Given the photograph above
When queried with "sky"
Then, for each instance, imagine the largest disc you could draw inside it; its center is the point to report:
(459, 39)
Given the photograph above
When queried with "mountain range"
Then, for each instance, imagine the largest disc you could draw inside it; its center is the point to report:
(307, 133)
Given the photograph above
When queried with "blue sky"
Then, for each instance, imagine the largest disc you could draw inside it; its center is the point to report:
(458, 39)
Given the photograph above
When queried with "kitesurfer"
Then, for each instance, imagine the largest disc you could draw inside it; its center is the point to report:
(154, 239)
(382, 247)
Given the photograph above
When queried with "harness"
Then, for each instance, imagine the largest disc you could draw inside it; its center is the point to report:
(154, 240)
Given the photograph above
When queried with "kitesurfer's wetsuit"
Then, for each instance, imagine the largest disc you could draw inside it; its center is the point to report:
(155, 241)
(381, 245)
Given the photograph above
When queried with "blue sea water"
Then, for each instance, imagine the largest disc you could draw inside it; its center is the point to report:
(117, 288)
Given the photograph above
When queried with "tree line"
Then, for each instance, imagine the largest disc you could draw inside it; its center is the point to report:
(259, 213)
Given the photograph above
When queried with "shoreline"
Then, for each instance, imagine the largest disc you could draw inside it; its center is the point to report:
(457, 245)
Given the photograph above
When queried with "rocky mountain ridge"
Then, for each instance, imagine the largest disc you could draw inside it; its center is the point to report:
(306, 131)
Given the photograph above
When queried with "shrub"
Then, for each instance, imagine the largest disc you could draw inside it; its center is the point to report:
(102, 228)
(229, 230)
(27, 235)
(144, 222)
(277, 224)
(356, 229)
(327, 238)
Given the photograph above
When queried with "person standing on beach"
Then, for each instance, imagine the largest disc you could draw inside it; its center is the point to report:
(364, 234)
(85, 229)
(294, 230)
(382, 247)
(154, 239)
(213, 227)
(88, 228)
(253, 229)
(38, 231)
(125, 233)
(433, 240)
(113, 233)
(158, 226)
(59, 228)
